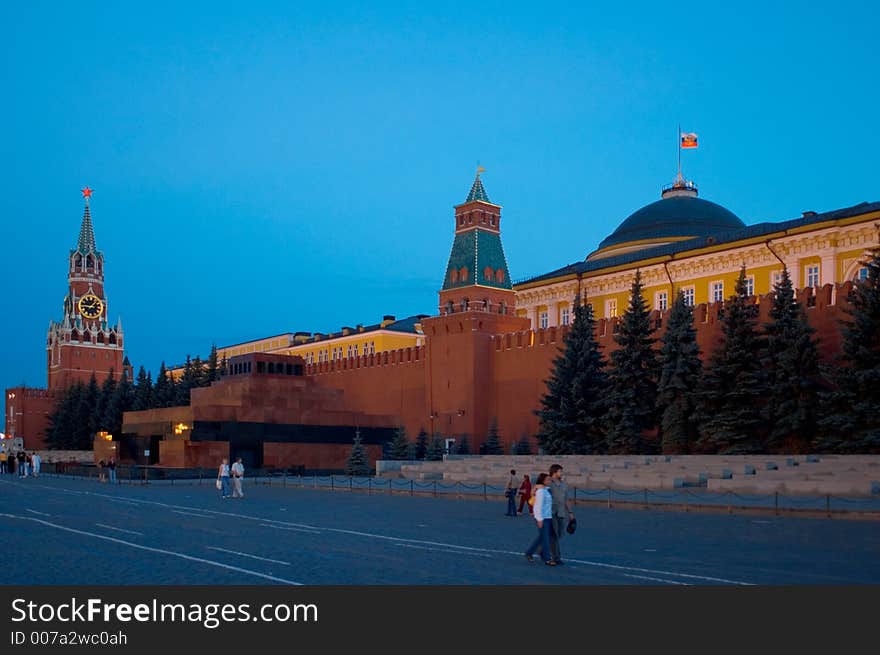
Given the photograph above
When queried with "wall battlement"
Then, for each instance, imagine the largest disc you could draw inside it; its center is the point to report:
(396, 357)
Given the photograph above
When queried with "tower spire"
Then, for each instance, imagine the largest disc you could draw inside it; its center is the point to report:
(86, 242)
(477, 190)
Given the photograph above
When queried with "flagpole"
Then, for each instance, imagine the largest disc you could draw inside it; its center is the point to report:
(678, 139)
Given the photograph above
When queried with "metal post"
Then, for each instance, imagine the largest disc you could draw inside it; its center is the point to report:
(435, 488)
(776, 503)
(410, 487)
(284, 479)
(646, 495)
(828, 504)
(609, 497)
(369, 486)
(316, 479)
(331, 481)
(485, 497)
(350, 482)
(730, 502)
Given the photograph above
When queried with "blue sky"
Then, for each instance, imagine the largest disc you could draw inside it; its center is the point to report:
(260, 168)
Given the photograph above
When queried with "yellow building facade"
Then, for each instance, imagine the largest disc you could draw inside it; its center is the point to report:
(682, 242)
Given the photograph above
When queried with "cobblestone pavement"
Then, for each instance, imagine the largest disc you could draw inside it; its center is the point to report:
(57, 530)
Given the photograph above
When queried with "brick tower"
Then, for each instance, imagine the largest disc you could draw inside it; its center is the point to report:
(83, 342)
(477, 301)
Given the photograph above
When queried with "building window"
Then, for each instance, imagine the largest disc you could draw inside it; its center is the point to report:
(372, 347)
(775, 278)
(661, 301)
(543, 320)
(750, 285)
(813, 275)
(611, 308)
(862, 274)
(716, 291)
(355, 349)
(565, 316)
(688, 293)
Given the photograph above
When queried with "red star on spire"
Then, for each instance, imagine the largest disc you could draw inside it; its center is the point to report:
(87, 193)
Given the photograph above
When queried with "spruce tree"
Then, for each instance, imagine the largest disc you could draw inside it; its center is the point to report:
(421, 445)
(851, 422)
(358, 463)
(104, 397)
(64, 419)
(165, 389)
(119, 403)
(573, 409)
(632, 401)
(463, 446)
(89, 412)
(399, 448)
(188, 381)
(143, 391)
(492, 445)
(733, 389)
(792, 367)
(523, 446)
(212, 370)
(680, 369)
(436, 448)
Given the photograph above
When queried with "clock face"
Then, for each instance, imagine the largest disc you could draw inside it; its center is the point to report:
(90, 306)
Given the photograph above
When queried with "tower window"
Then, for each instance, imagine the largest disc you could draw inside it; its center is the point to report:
(499, 275)
(487, 274)
(453, 275)
(463, 274)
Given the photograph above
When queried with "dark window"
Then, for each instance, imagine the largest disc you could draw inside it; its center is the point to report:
(261, 367)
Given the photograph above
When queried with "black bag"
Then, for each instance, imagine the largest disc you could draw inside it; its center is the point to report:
(509, 493)
(572, 526)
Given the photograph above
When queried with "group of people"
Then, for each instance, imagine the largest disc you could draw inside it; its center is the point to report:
(107, 470)
(26, 464)
(548, 503)
(226, 473)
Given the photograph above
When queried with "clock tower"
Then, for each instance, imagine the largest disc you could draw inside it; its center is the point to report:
(84, 342)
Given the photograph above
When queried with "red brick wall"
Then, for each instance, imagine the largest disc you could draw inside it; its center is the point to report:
(27, 415)
(313, 456)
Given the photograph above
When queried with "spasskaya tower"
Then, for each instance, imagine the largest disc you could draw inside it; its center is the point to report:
(84, 342)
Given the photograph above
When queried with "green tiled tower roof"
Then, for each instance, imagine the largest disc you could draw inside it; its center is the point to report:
(477, 191)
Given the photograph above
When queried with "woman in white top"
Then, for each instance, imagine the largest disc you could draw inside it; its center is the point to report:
(543, 514)
(223, 477)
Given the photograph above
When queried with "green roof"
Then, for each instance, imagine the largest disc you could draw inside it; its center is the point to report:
(477, 250)
(477, 191)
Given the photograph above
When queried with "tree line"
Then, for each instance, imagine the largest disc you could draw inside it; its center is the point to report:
(85, 409)
(762, 390)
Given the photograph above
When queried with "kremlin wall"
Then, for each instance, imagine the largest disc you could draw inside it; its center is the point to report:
(299, 400)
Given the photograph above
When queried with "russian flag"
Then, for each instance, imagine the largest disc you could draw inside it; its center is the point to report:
(688, 140)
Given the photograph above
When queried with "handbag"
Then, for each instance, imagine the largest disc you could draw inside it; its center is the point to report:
(219, 484)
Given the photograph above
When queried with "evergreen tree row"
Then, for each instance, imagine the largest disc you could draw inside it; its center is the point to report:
(84, 409)
(762, 388)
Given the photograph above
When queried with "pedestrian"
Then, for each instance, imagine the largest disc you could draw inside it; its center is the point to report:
(562, 513)
(36, 461)
(3, 458)
(525, 492)
(237, 478)
(101, 470)
(543, 514)
(111, 469)
(510, 492)
(22, 464)
(223, 478)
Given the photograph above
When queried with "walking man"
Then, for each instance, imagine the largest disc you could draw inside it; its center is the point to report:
(223, 478)
(111, 469)
(22, 464)
(237, 477)
(510, 492)
(561, 510)
(36, 460)
(3, 457)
